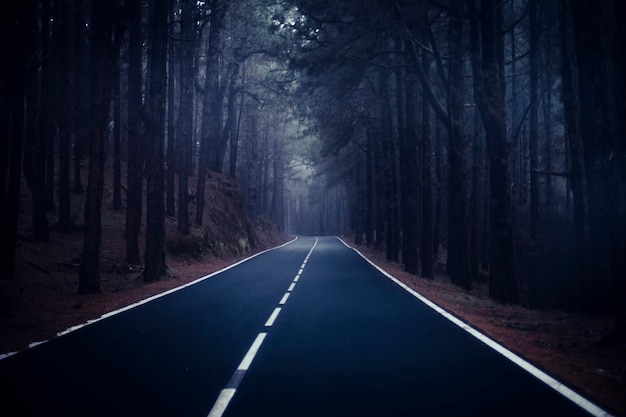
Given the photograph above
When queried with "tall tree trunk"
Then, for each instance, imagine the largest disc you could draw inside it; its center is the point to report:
(37, 137)
(459, 267)
(380, 164)
(619, 149)
(477, 196)
(173, 66)
(571, 109)
(155, 206)
(277, 178)
(117, 139)
(596, 138)
(185, 117)
(391, 186)
(101, 32)
(231, 119)
(410, 173)
(440, 186)
(66, 131)
(211, 108)
(426, 247)
(369, 189)
(489, 88)
(19, 47)
(251, 166)
(82, 90)
(48, 83)
(135, 143)
(597, 46)
(547, 145)
(534, 121)
(359, 201)
(234, 141)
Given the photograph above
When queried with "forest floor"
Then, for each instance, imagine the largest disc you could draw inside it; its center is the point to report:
(44, 299)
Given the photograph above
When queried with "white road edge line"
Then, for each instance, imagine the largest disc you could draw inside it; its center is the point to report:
(152, 298)
(284, 299)
(558, 386)
(270, 321)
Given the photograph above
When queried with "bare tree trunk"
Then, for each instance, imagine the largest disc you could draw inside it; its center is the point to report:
(135, 137)
(18, 45)
(409, 172)
(155, 266)
(478, 158)
(37, 137)
(534, 121)
(369, 189)
(82, 91)
(228, 132)
(596, 138)
(185, 117)
(440, 185)
(211, 107)
(101, 32)
(173, 67)
(234, 142)
(251, 165)
(619, 148)
(489, 88)
(117, 135)
(49, 95)
(391, 184)
(459, 267)
(66, 123)
(571, 111)
(597, 46)
(426, 247)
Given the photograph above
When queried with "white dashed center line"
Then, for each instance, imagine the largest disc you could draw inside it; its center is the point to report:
(247, 360)
(270, 321)
(284, 299)
(227, 394)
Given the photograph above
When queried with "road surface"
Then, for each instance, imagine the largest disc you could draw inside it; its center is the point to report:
(308, 329)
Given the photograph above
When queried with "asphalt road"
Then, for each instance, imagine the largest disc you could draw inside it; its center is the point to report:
(309, 329)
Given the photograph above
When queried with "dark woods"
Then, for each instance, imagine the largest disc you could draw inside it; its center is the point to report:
(482, 137)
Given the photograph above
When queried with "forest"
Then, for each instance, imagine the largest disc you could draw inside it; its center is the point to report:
(484, 138)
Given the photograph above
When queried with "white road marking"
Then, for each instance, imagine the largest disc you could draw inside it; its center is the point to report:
(154, 297)
(272, 319)
(227, 394)
(247, 360)
(222, 402)
(559, 387)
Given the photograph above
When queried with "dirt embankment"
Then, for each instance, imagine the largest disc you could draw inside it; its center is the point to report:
(43, 297)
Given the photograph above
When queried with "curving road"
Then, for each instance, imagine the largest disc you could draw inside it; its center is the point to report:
(307, 329)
